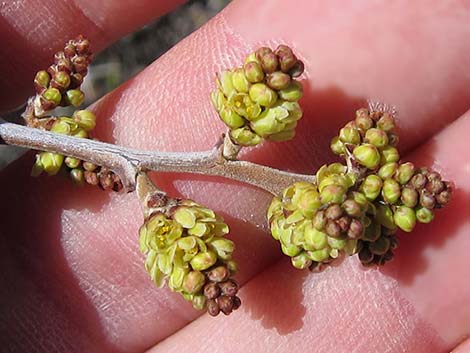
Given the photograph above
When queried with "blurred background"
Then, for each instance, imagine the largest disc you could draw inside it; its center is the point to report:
(133, 53)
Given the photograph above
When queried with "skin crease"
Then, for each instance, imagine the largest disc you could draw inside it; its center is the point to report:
(74, 276)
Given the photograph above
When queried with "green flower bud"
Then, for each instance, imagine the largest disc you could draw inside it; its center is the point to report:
(388, 170)
(52, 95)
(42, 79)
(389, 155)
(305, 198)
(293, 92)
(405, 218)
(319, 255)
(404, 172)
(376, 137)
(301, 261)
(350, 134)
(391, 191)
(278, 80)
(203, 260)
(50, 162)
(218, 99)
(231, 118)
(424, 215)
(409, 197)
(75, 97)
(270, 121)
(253, 72)
(193, 282)
(239, 81)
(226, 84)
(332, 194)
(85, 119)
(176, 278)
(61, 80)
(314, 238)
(363, 120)
(337, 146)
(245, 137)
(223, 247)
(367, 155)
(386, 122)
(77, 176)
(290, 250)
(252, 58)
(72, 163)
(199, 302)
(185, 216)
(384, 216)
(80, 133)
(262, 94)
(61, 127)
(371, 187)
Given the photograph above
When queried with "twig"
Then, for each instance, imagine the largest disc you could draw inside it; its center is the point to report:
(127, 162)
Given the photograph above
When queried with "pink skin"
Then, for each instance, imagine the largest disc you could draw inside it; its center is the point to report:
(72, 275)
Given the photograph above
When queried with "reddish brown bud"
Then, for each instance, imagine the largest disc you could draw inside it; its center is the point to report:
(426, 199)
(218, 274)
(229, 288)
(333, 212)
(297, 69)
(225, 304)
(211, 290)
(332, 229)
(212, 307)
(91, 177)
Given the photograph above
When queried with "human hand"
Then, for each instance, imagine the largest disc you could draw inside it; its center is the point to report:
(73, 278)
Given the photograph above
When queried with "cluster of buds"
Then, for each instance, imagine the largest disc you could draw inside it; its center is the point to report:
(260, 100)
(369, 139)
(78, 125)
(359, 207)
(185, 245)
(295, 222)
(59, 85)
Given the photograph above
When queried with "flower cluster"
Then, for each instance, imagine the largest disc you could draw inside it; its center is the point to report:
(356, 208)
(259, 100)
(185, 246)
(59, 85)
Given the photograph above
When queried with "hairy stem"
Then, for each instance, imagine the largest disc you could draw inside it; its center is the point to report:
(127, 162)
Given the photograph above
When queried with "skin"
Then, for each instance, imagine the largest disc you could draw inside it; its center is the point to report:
(72, 276)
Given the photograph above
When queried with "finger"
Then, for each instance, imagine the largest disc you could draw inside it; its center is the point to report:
(167, 108)
(32, 30)
(464, 347)
(419, 304)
